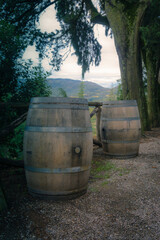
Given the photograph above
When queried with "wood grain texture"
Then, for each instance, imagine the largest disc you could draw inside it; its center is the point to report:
(120, 128)
(51, 157)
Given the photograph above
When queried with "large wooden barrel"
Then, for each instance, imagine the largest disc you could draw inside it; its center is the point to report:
(58, 147)
(120, 128)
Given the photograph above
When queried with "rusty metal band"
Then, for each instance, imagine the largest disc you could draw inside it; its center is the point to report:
(125, 130)
(58, 129)
(57, 193)
(58, 100)
(57, 170)
(118, 106)
(59, 106)
(122, 155)
(111, 141)
(120, 119)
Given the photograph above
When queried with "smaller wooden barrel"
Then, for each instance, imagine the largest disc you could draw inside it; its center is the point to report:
(120, 128)
(58, 146)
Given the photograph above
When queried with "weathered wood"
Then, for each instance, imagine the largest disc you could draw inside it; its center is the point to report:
(98, 118)
(95, 110)
(4, 132)
(13, 163)
(120, 128)
(26, 105)
(58, 147)
(96, 142)
(96, 104)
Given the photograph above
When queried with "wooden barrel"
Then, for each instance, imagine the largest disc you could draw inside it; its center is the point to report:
(120, 128)
(58, 147)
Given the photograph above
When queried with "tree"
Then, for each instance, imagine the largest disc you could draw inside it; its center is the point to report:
(10, 48)
(17, 31)
(119, 90)
(151, 56)
(32, 83)
(81, 90)
(112, 94)
(77, 19)
(124, 18)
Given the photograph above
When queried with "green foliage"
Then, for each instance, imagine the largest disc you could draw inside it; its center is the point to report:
(7, 114)
(150, 41)
(10, 48)
(119, 91)
(93, 92)
(62, 92)
(78, 30)
(33, 83)
(16, 143)
(13, 147)
(130, 7)
(81, 90)
(150, 30)
(112, 95)
(18, 29)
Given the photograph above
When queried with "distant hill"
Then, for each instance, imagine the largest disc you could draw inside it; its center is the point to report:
(92, 91)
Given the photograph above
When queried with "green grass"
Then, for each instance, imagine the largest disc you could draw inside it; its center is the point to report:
(101, 169)
(94, 189)
(104, 183)
(106, 167)
(123, 171)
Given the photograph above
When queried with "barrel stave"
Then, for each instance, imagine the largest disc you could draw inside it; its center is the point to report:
(58, 147)
(120, 128)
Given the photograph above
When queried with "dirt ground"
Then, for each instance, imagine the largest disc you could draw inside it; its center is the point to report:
(122, 201)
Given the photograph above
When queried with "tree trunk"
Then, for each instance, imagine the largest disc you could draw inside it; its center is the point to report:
(3, 203)
(153, 90)
(125, 29)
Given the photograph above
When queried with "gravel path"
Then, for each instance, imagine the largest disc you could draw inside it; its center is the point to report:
(125, 205)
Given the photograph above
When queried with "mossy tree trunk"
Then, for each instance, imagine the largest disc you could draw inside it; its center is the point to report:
(125, 27)
(153, 90)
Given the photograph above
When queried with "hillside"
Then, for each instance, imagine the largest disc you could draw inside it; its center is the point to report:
(92, 91)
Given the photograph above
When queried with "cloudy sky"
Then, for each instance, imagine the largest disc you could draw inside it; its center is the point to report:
(105, 74)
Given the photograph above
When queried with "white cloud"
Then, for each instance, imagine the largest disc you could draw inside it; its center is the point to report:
(31, 53)
(105, 74)
(48, 20)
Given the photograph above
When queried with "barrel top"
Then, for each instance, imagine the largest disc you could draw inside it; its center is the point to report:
(56, 100)
(121, 102)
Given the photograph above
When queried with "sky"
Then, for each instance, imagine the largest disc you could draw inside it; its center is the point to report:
(105, 74)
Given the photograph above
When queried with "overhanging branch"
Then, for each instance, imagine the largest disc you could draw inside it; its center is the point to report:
(96, 17)
(32, 9)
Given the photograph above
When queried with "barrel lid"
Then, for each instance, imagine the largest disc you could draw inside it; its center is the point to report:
(121, 102)
(50, 100)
